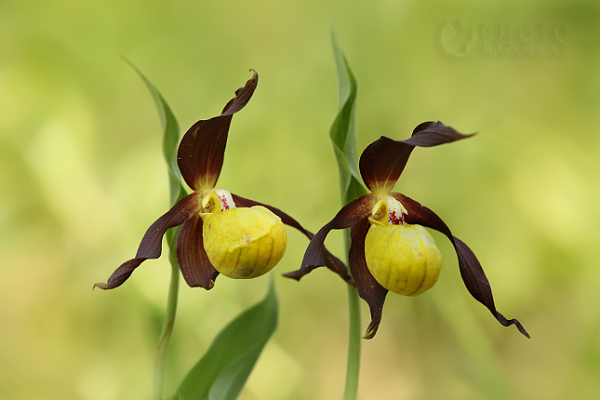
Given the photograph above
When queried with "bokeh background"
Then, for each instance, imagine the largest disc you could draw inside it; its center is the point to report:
(82, 177)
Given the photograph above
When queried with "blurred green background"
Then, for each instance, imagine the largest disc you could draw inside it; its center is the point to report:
(82, 177)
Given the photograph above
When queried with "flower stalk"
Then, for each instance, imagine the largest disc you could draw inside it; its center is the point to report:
(167, 330)
(354, 339)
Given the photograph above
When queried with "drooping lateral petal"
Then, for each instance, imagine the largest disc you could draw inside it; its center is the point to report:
(348, 216)
(201, 151)
(470, 268)
(151, 245)
(332, 262)
(383, 161)
(368, 288)
(194, 264)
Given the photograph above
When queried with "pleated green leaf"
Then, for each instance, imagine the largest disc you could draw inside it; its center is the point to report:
(343, 138)
(170, 144)
(224, 369)
(342, 131)
(171, 138)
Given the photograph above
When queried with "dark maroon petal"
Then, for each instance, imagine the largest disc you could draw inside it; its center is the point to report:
(470, 268)
(151, 245)
(242, 96)
(194, 264)
(332, 262)
(350, 214)
(368, 288)
(383, 161)
(429, 134)
(201, 151)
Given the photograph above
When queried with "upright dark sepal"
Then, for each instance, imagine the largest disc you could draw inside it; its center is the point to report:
(470, 269)
(151, 245)
(200, 155)
(383, 161)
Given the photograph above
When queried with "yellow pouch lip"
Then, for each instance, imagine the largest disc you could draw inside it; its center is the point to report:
(244, 242)
(403, 259)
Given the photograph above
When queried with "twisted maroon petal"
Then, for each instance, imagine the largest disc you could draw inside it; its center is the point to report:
(368, 288)
(331, 262)
(151, 245)
(194, 264)
(470, 269)
(383, 161)
(350, 214)
(201, 151)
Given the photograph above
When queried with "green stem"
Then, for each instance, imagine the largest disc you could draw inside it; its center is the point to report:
(165, 336)
(354, 342)
(354, 337)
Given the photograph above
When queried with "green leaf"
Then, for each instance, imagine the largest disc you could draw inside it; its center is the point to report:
(177, 191)
(170, 146)
(224, 369)
(171, 138)
(343, 138)
(342, 132)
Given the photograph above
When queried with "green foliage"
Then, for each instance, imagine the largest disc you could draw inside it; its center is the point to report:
(222, 372)
(342, 132)
(170, 129)
(342, 135)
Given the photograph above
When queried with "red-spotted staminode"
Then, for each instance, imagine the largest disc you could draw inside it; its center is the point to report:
(222, 232)
(390, 250)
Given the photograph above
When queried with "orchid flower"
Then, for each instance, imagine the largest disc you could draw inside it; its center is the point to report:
(222, 232)
(390, 250)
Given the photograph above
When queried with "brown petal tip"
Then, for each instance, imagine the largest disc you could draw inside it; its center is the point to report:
(102, 286)
(432, 133)
(371, 330)
(509, 322)
(300, 273)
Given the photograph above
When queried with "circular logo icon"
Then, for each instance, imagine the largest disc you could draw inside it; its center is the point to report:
(458, 38)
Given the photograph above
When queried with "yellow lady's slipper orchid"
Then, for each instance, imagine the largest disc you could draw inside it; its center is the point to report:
(390, 249)
(221, 232)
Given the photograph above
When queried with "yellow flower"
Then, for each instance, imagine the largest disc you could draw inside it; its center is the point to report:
(390, 248)
(221, 232)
